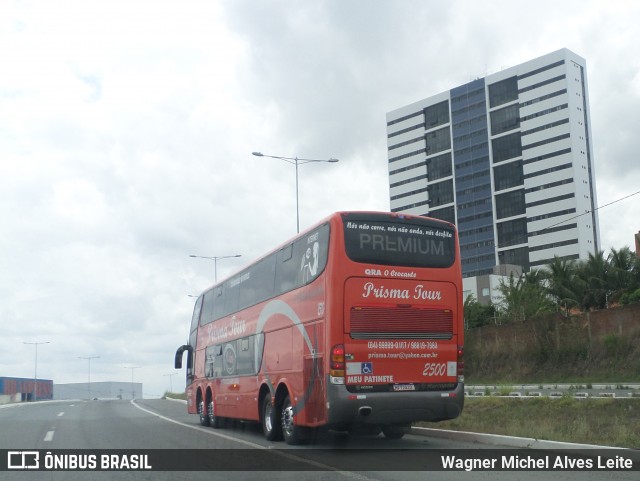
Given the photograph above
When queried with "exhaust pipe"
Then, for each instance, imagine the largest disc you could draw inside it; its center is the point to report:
(365, 411)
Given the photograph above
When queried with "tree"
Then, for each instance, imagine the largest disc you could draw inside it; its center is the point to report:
(560, 275)
(476, 314)
(592, 285)
(525, 297)
(621, 277)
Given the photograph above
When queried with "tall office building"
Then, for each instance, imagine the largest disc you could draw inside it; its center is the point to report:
(508, 159)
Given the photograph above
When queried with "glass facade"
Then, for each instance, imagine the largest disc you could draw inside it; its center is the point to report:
(508, 175)
(439, 167)
(506, 147)
(503, 91)
(505, 119)
(518, 257)
(440, 193)
(446, 213)
(437, 114)
(512, 232)
(473, 186)
(437, 141)
(510, 204)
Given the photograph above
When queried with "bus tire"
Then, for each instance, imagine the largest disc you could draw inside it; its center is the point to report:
(271, 426)
(214, 421)
(292, 434)
(204, 419)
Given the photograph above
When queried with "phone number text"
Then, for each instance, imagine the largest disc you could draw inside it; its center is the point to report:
(402, 345)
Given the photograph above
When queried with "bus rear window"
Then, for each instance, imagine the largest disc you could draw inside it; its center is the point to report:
(396, 241)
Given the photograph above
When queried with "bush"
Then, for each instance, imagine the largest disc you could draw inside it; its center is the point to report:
(615, 346)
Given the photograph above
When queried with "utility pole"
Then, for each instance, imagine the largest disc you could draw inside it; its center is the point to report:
(88, 358)
(133, 388)
(35, 375)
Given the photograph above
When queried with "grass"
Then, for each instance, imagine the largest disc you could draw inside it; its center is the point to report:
(175, 395)
(606, 422)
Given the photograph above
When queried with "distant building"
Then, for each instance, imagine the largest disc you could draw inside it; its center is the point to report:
(508, 158)
(98, 390)
(638, 244)
(17, 389)
(486, 288)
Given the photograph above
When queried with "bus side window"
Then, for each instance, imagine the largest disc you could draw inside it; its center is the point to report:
(245, 357)
(207, 307)
(218, 303)
(213, 361)
(231, 297)
(193, 333)
(285, 270)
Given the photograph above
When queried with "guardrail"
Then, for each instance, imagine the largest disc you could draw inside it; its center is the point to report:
(578, 391)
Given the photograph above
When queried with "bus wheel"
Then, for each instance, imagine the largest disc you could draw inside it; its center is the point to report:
(393, 431)
(214, 421)
(204, 419)
(292, 434)
(270, 420)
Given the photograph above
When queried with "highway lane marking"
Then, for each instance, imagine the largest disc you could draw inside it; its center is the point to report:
(49, 436)
(323, 466)
(198, 428)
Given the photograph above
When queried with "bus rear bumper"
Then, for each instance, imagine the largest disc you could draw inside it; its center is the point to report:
(382, 408)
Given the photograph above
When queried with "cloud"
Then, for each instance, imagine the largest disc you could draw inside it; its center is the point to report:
(127, 132)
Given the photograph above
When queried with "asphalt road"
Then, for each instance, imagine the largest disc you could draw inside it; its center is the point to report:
(165, 425)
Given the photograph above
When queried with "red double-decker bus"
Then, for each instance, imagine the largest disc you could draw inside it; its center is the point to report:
(356, 324)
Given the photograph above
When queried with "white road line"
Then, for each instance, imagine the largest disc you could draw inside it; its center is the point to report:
(61, 414)
(198, 428)
(48, 436)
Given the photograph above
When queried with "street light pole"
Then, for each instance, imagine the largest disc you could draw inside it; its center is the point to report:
(35, 375)
(170, 381)
(88, 358)
(215, 262)
(296, 161)
(133, 389)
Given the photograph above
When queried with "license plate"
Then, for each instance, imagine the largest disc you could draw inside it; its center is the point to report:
(404, 387)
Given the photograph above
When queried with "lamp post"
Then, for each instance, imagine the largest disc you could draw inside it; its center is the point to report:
(133, 389)
(88, 358)
(215, 262)
(35, 375)
(296, 161)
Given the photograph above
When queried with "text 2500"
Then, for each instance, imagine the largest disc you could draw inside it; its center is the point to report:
(434, 369)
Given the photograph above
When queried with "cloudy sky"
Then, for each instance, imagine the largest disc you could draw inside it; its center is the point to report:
(126, 132)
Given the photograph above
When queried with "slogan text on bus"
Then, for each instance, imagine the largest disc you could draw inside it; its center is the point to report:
(413, 240)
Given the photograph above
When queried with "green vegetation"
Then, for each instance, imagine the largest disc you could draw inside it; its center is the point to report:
(546, 330)
(605, 422)
(175, 395)
(563, 286)
(551, 351)
(542, 330)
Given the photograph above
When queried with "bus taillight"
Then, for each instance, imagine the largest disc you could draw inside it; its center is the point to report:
(460, 363)
(337, 364)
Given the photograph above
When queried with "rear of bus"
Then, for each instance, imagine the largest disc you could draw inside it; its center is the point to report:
(396, 353)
